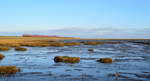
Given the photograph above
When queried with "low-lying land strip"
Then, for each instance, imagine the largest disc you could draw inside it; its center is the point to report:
(16, 41)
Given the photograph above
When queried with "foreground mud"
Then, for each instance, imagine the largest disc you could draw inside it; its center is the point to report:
(130, 63)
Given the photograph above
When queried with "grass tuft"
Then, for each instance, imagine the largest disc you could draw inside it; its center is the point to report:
(20, 49)
(8, 70)
(72, 43)
(4, 48)
(105, 60)
(91, 43)
(1, 56)
(66, 59)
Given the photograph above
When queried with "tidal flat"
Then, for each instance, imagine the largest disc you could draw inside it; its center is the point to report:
(130, 61)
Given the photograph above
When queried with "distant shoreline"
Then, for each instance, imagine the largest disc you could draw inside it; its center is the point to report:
(9, 37)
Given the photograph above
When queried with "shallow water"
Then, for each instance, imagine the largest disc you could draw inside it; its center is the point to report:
(131, 62)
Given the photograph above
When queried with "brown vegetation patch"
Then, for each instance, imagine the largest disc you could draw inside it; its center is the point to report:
(1, 56)
(7, 70)
(97, 43)
(4, 48)
(43, 44)
(92, 43)
(57, 44)
(66, 59)
(16, 41)
(20, 49)
(72, 43)
(10, 44)
(105, 60)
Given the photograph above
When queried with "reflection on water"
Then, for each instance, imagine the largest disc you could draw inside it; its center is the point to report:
(131, 63)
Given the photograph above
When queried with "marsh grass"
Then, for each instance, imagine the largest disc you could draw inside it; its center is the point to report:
(8, 70)
(105, 60)
(91, 43)
(72, 43)
(66, 59)
(10, 41)
(20, 49)
(4, 48)
(1, 56)
(14, 41)
(97, 43)
(57, 44)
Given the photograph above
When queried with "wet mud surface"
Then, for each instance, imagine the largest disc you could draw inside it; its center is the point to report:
(131, 63)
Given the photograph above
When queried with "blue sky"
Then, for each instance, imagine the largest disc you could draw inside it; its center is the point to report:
(41, 15)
